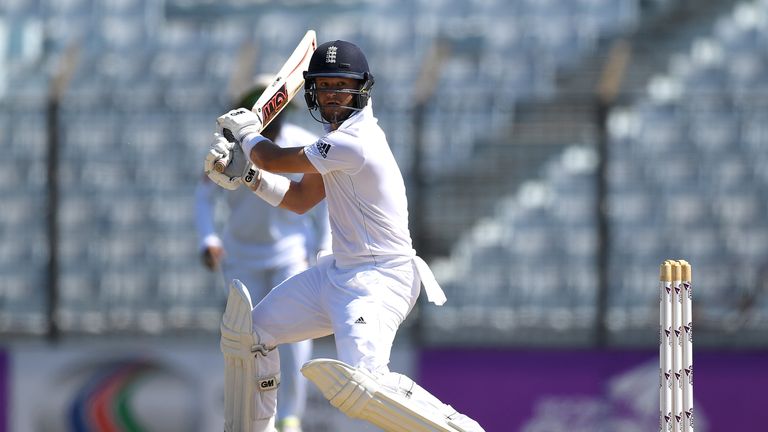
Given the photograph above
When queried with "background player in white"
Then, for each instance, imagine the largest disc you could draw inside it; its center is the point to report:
(261, 246)
(361, 293)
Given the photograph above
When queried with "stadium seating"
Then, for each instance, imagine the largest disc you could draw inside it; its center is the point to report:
(150, 85)
(685, 179)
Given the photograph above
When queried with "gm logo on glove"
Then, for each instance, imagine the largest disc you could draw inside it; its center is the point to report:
(249, 175)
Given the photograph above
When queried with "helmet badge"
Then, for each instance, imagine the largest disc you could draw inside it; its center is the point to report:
(330, 54)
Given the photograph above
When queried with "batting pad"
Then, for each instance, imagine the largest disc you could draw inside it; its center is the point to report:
(392, 402)
(251, 371)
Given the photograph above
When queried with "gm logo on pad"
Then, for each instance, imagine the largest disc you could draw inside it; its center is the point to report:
(269, 384)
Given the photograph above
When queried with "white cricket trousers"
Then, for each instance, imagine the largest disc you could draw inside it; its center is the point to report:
(292, 393)
(362, 306)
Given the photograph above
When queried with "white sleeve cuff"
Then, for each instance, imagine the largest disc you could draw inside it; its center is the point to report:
(249, 141)
(211, 240)
(272, 188)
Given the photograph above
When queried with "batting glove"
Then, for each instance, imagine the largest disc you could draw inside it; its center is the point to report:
(231, 178)
(240, 122)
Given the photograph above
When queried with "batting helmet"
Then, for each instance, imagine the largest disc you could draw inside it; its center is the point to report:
(338, 59)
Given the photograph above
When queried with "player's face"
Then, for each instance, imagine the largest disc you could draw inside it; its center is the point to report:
(331, 100)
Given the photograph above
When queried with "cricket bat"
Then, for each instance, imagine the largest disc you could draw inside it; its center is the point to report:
(281, 90)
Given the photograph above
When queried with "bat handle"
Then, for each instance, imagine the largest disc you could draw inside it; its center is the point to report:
(221, 164)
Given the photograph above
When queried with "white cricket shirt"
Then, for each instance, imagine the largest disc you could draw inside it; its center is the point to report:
(367, 204)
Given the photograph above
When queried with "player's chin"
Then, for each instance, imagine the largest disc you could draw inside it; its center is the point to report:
(336, 114)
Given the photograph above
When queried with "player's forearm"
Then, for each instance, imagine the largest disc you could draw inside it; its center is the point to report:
(269, 156)
(300, 198)
(262, 151)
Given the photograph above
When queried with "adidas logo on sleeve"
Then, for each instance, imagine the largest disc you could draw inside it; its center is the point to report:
(323, 147)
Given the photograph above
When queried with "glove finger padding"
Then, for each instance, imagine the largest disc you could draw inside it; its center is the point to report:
(231, 178)
(238, 163)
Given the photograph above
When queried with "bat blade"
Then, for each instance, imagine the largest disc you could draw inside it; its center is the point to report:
(281, 90)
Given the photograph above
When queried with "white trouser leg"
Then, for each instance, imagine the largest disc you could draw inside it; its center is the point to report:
(251, 369)
(292, 394)
(391, 401)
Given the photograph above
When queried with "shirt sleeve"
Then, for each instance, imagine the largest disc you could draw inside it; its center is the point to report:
(204, 204)
(336, 152)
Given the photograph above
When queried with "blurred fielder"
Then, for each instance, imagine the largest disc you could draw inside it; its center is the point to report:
(262, 246)
(362, 292)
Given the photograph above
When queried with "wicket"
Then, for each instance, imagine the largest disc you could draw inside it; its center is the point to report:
(675, 347)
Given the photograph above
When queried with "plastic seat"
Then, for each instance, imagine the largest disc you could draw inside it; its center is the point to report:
(103, 175)
(123, 7)
(684, 209)
(754, 132)
(27, 139)
(68, 7)
(11, 174)
(704, 243)
(739, 209)
(22, 303)
(85, 93)
(90, 134)
(11, 254)
(627, 207)
(138, 97)
(183, 34)
(749, 244)
(122, 32)
(531, 244)
(146, 134)
(580, 285)
(76, 211)
(77, 291)
(487, 287)
(186, 96)
(181, 288)
(661, 135)
(178, 248)
(728, 173)
(118, 287)
(624, 172)
(18, 7)
(673, 170)
(18, 293)
(575, 210)
(172, 211)
(177, 64)
(581, 244)
(73, 248)
(17, 210)
(714, 133)
(642, 243)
